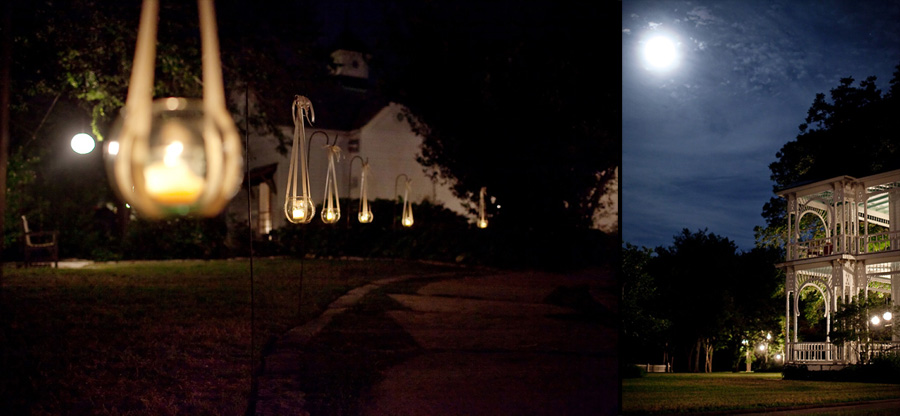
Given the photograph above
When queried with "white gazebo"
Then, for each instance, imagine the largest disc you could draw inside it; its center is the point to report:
(850, 247)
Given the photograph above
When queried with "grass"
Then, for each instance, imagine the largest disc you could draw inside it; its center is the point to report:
(692, 393)
(156, 338)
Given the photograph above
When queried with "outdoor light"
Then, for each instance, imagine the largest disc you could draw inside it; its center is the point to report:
(887, 316)
(778, 357)
(876, 320)
(175, 156)
(331, 208)
(82, 143)
(482, 221)
(365, 212)
(406, 218)
(769, 336)
(299, 209)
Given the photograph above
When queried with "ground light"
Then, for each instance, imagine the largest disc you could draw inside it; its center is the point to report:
(299, 209)
(175, 156)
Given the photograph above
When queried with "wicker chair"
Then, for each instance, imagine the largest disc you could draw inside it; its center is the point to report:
(40, 245)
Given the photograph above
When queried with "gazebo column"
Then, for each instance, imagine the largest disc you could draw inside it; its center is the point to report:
(894, 218)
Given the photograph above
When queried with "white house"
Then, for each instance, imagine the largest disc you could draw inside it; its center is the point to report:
(363, 125)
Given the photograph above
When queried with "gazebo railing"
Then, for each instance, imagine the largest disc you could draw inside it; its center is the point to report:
(803, 352)
(821, 247)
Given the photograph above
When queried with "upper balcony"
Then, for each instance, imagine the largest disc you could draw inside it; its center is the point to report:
(844, 216)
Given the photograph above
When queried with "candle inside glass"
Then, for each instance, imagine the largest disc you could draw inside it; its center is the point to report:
(171, 181)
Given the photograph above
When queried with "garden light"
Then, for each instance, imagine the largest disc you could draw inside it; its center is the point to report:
(175, 156)
(482, 221)
(406, 218)
(331, 208)
(82, 143)
(299, 209)
(365, 212)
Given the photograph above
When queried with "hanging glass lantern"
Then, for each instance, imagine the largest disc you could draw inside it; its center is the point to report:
(299, 209)
(365, 212)
(331, 208)
(482, 221)
(407, 217)
(175, 156)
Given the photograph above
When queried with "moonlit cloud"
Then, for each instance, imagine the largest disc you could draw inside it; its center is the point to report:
(697, 142)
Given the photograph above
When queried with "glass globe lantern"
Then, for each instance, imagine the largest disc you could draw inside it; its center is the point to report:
(298, 206)
(482, 220)
(175, 156)
(365, 211)
(331, 207)
(407, 217)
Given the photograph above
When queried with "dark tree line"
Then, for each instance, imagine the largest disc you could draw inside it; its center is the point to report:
(698, 299)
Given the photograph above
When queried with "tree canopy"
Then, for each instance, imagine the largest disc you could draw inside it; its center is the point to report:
(697, 298)
(851, 132)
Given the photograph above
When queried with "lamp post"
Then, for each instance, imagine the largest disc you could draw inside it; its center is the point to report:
(175, 156)
(406, 218)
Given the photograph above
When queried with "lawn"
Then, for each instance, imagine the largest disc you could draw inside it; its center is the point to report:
(691, 393)
(157, 338)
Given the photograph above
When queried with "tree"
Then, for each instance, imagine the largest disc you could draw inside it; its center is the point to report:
(857, 121)
(506, 96)
(642, 331)
(696, 298)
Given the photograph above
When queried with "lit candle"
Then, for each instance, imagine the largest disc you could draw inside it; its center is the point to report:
(171, 181)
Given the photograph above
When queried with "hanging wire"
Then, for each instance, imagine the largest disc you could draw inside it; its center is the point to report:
(249, 234)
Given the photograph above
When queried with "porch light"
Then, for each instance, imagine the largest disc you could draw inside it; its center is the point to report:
(299, 209)
(331, 207)
(175, 156)
(482, 221)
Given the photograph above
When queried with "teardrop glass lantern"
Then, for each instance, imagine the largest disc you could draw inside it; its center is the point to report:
(482, 221)
(365, 211)
(299, 209)
(175, 156)
(331, 208)
(407, 217)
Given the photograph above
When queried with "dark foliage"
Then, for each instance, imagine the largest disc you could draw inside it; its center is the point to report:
(697, 298)
(853, 120)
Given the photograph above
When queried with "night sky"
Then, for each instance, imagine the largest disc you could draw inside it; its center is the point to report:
(698, 136)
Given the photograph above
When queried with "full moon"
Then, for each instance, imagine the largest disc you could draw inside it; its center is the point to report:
(660, 53)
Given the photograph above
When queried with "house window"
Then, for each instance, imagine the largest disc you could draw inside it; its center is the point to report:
(264, 224)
